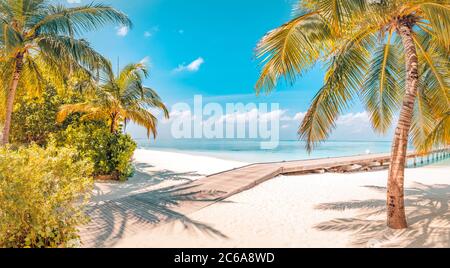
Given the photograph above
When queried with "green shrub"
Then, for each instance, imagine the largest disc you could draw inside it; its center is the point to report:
(110, 153)
(34, 118)
(42, 196)
(34, 121)
(120, 151)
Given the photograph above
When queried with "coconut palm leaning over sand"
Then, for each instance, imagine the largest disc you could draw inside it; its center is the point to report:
(393, 54)
(120, 99)
(37, 36)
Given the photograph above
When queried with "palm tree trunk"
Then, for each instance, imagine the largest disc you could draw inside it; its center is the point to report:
(11, 96)
(396, 218)
(113, 123)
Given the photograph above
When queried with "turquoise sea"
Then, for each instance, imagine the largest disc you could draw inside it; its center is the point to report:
(250, 151)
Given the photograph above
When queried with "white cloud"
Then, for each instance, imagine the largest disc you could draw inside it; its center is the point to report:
(178, 114)
(350, 123)
(352, 119)
(272, 116)
(253, 115)
(299, 116)
(145, 60)
(357, 121)
(151, 32)
(240, 117)
(236, 117)
(74, 1)
(191, 67)
(122, 30)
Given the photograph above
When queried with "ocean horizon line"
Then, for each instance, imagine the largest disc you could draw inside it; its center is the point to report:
(254, 140)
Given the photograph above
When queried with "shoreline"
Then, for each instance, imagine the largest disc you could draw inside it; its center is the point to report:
(248, 152)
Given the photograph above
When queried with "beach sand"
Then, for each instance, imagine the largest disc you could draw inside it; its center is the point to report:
(320, 210)
(159, 169)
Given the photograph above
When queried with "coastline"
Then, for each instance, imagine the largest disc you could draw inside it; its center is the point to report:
(251, 152)
(315, 210)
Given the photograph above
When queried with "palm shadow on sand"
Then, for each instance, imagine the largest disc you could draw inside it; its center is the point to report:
(428, 216)
(144, 178)
(111, 220)
(130, 214)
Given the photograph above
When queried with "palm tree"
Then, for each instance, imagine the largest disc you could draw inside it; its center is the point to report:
(121, 98)
(393, 54)
(37, 35)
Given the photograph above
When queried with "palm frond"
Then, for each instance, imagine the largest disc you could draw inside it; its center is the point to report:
(345, 76)
(58, 19)
(437, 16)
(68, 109)
(151, 99)
(32, 80)
(339, 13)
(143, 118)
(76, 52)
(439, 135)
(132, 74)
(382, 92)
(436, 67)
(291, 49)
(423, 119)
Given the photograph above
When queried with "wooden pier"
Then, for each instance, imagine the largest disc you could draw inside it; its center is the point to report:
(217, 187)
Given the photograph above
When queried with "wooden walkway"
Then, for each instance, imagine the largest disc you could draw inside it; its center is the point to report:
(115, 219)
(217, 187)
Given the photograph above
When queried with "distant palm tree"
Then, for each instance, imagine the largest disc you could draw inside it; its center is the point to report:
(36, 35)
(121, 98)
(393, 54)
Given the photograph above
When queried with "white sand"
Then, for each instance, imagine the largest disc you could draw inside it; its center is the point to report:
(324, 210)
(159, 169)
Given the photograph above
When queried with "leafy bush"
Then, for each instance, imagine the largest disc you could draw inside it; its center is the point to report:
(34, 118)
(120, 152)
(42, 196)
(34, 121)
(111, 153)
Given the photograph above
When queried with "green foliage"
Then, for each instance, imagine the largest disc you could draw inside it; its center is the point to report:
(120, 152)
(34, 119)
(42, 196)
(111, 153)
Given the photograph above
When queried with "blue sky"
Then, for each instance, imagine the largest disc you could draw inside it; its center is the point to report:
(206, 47)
